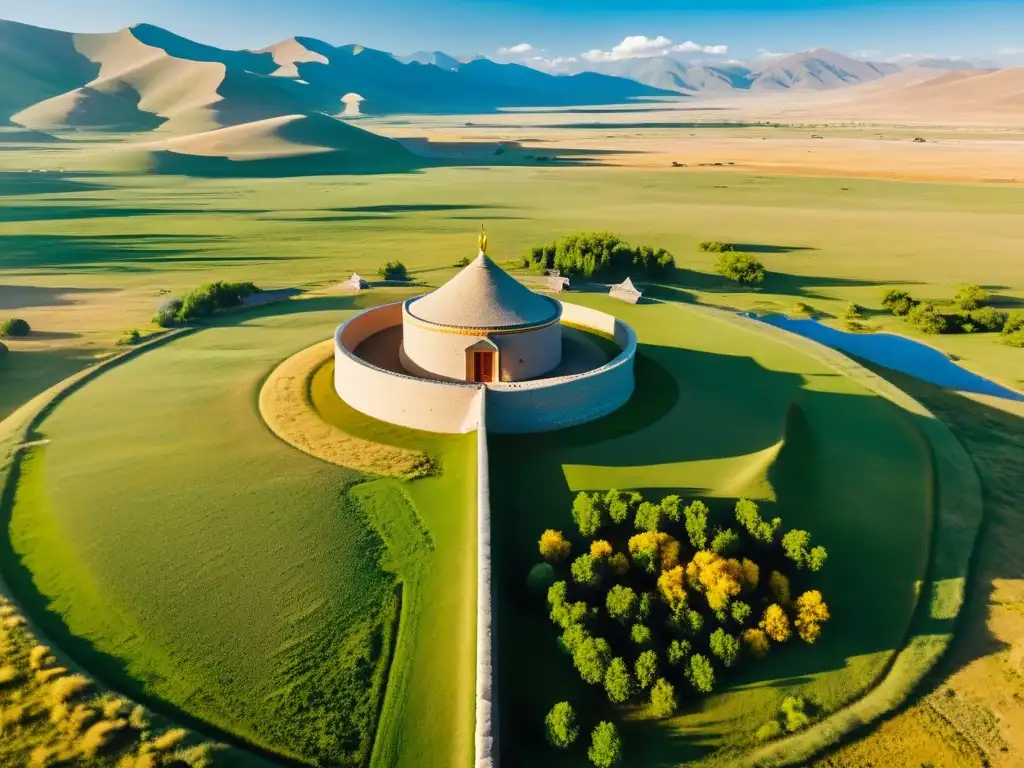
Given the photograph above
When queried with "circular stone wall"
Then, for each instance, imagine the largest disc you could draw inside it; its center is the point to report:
(450, 406)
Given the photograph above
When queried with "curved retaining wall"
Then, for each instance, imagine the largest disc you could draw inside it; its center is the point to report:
(486, 742)
(512, 407)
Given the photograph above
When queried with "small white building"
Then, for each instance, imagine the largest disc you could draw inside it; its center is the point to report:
(482, 325)
(625, 291)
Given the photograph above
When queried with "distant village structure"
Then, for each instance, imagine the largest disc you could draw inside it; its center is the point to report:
(482, 340)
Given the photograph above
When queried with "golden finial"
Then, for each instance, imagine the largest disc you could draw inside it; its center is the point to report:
(483, 241)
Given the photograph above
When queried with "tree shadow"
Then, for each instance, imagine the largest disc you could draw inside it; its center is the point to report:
(765, 248)
(29, 213)
(24, 373)
(20, 296)
(692, 406)
(16, 183)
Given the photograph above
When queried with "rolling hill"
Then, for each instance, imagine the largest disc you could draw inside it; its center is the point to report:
(819, 69)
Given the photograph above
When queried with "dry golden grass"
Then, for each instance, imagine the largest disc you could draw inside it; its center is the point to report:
(286, 408)
(101, 736)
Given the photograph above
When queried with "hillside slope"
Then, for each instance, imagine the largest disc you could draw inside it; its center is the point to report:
(819, 69)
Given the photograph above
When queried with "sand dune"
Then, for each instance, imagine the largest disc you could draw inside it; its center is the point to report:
(288, 54)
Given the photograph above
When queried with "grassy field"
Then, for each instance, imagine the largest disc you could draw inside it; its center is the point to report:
(857, 475)
(182, 553)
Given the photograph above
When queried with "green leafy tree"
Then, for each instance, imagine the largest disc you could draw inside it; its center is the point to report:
(643, 610)
(573, 637)
(797, 546)
(591, 658)
(696, 517)
(588, 513)
(648, 517)
(558, 594)
(927, 318)
(740, 612)
(971, 296)
(618, 683)
(749, 516)
(566, 614)
(741, 268)
(988, 319)
(678, 652)
(646, 669)
(541, 577)
(584, 571)
(561, 725)
(725, 646)
(605, 746)
(617, 504)
(621, 603)
(794, 713)
(725, 542)
(15, 326)
(393, 270)
(670, 508)
(663, 699)
(898, 302)
(701, 674)
(641, 635)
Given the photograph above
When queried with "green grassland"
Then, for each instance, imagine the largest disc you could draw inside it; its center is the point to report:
(179, 551)
(713, 401)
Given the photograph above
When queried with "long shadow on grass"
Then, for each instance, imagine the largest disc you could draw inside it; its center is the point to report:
(675, 389)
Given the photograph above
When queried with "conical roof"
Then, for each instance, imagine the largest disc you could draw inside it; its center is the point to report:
(484, 296)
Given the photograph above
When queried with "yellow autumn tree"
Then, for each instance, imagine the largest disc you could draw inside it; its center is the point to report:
(751, 573)
(600, 548)
(776, 623)
(779, 586)
(811, 613)
(672, 586)
(654, 551)
(756, 641)
(553, 546)
(719, 579)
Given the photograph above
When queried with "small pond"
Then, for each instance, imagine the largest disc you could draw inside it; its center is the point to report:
(896, 352)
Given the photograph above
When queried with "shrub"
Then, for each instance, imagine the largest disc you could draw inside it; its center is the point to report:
(770, 730)
(779, 586)
(797, 546)
(213, 297)
(800, 308)
(927, 318)
(748, 515)
(811, 613)
(898, 302)
(464, 261)
(776, 623)
(725, 542)
(663, 699)
(553, 546)
(756, 641)
(560, 725)
(725, 646)
(696, 516)
(794, 713)
(1014, 322)
(620, 603)
(1015, 339)
(592, 657)
(167, 313)
(393, 270)
(641, 635)
(970, 297)
(854, 312)
(678, 652)
(740, 612)
(701, 674)
(619, 564)
(605, 746)
(741, 268)
(588, 513)
(646, 669)
(541, 576)
(593, 254)
(618, 683)
(648, 517)
(15, 326)
(714, 246)
(584, 571)
(130, 338)
(988, 318)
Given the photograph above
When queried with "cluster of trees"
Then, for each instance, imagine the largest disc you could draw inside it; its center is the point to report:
(660, 603)
(598, 254)
(794, 715)
(970, 313)
(14, 327)
(562, 731)
(740, 268)
(395, 270)
(202, 302)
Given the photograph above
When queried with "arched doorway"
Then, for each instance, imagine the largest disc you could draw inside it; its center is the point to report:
(482, 361)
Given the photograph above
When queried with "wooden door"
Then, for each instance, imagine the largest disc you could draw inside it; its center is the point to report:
(483, 366)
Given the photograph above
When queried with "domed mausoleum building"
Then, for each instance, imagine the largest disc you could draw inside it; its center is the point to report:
(483, 325)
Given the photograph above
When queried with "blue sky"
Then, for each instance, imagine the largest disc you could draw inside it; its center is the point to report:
(740, 29)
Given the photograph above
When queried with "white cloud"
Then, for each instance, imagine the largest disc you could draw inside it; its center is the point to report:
(1009, 50)
(865, 54)
(763, 53)
(557, 62)
(517, 49)
(641, 46)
